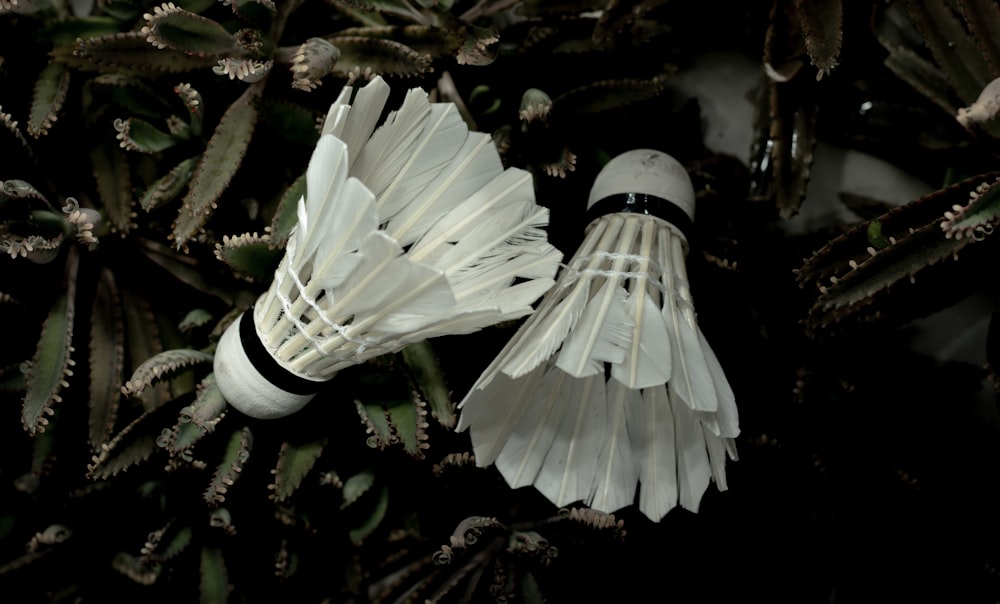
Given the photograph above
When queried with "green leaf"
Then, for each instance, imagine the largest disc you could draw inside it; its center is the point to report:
(875, 236)
(170, 26)
(229, 469)
(250, 256)
(107, 358)
(292, 122)
(285, 216)
(409, 425)
(214, 585)
(51, 363)
(356, 486)
(68, 30)
(49, 95)
(135, 443)
(295, 460)
(426, 370)
(169, 186)
(113, 185)
(221, 160)
(139, 135)
(127, 53)
(359, 533)
(382, 57)
(143, 341)
(821, 22)
(162, 365)
(954, 50)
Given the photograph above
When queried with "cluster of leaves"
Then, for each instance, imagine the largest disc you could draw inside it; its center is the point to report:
(149, 193)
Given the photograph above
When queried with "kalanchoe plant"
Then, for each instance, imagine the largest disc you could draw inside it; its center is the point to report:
(151, 158)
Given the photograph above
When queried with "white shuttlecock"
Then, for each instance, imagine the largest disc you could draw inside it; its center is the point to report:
(610, 385)
(406, 232)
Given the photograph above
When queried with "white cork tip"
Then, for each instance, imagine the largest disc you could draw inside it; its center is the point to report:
(244, 387)
(645, 171)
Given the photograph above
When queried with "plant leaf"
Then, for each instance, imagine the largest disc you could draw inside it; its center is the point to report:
(107, 358)
(113, 185)
(139, 135)
(170, 185)
(383, 57)
(427, 373)
(221, 160)
(170, 26)
(134, 444)
(49, 95)
(295, 460)
(51, 363)
(857, 279)
(228, 471)
(214, 584)
(359, 533)
(162, 365)
(821, 22)
(128, 53)
(356, 486)
(252, 257)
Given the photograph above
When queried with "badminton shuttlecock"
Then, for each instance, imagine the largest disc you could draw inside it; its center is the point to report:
(406, 232)
(610, 385)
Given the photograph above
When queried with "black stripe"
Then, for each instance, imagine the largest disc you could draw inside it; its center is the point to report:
(265, 364)
(641, 203)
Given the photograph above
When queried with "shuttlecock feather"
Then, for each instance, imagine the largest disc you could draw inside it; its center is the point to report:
(610, 388)
(408, 230)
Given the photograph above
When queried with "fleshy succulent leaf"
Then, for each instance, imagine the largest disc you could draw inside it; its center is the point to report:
(285, 216)
(132, 445)
(113, 184)
(359, 54)
(250, 256)
(161, 365)
(107, 358)
(49, 95)
(170, 26)
(135, 134)
(856, 278)
(228, 471)
(954, 51)
(356, 486)
(295, 461)
(374, 519)
(821, 24)
(429, 377)
(129, 53)
(214, 585)
(169, 186)
(52, 362)
(215, 170)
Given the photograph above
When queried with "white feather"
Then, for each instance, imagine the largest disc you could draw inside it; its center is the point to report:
(366, 109)
(558, 312)
(647, 362)
(471, 169)
(442, 136)
(522, 455)
(725, 421)
(651, 428)
(378, 160)
(570, 466)
(617, 468)
(600, 336)
(694, 469)
(494, 411)
(336, 116)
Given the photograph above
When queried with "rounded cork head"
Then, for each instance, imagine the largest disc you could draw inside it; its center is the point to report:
(243, 381)
(645, 172)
